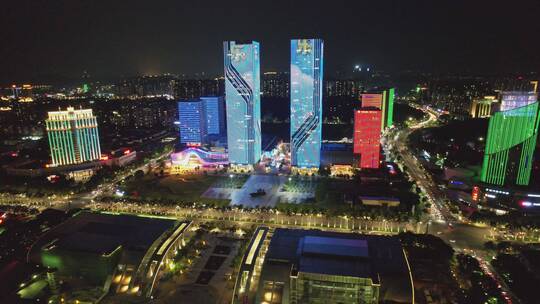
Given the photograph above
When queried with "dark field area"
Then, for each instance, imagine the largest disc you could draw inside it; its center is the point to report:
(402, 112)
(214, 262)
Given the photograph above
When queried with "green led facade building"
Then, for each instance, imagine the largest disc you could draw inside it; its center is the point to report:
(388, 107)
(382, 99)
(510, 146)
(73, 136)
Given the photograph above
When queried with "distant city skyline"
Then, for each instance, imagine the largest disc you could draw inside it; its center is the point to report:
(44, 41)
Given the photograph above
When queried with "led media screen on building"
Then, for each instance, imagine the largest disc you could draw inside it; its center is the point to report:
(513, 100)
(306, 102)
(242, 96)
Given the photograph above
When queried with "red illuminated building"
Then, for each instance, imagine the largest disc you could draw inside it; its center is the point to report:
(475, 192)
(367, 135)
(372, 100)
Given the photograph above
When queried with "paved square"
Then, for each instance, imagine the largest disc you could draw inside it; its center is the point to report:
(271, 184)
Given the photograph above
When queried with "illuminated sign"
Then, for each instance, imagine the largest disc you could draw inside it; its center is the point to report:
(303, 46)
(372, 100)
(513, 100)
(195, 157)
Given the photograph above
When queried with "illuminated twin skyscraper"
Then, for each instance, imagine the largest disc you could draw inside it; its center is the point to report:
(243, 102)
(306, 104)
(242, 90)
(73, 136)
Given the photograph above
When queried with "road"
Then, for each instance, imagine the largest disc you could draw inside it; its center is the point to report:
(83, 199)
(269, 217)
(462, 236)
(78, 200)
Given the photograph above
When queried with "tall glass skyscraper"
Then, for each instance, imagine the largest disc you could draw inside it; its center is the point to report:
(510, 145)
(73, 136)
(215, 115)
(243, 101)
(192, 119)
(306, 102)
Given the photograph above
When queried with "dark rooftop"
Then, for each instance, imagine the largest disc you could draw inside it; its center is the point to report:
(334, 247)
(335, 253)
(102, 233)
(337, 266)
(380, 258)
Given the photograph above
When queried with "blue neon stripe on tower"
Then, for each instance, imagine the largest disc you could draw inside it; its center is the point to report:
(306, 102)
(242, 98)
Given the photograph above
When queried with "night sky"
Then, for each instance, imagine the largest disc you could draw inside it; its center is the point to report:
(43, 40)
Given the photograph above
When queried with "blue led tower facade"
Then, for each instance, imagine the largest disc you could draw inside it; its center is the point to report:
(306, 102)
(243, 103)
(215, 115)
(192, 119)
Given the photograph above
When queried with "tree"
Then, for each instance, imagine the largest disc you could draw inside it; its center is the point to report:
(139, 174)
